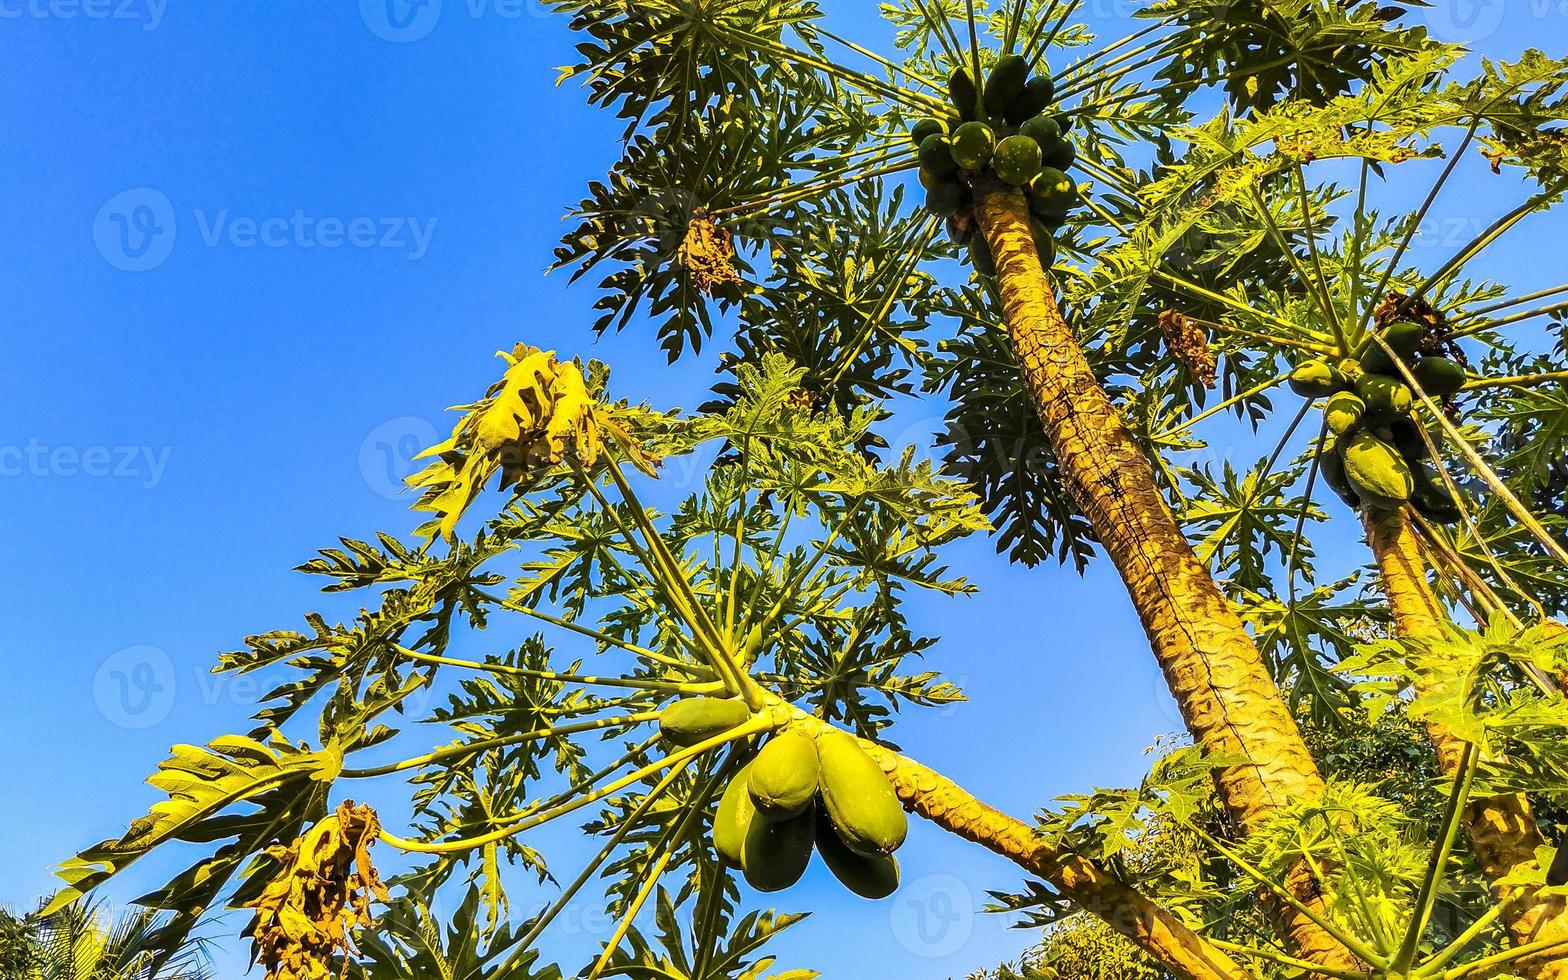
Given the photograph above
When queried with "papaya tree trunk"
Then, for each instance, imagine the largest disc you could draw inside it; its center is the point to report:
(1503, 830)
(1223, 688)
(1147, 925)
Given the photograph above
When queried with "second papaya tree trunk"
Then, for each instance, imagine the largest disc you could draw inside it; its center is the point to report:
(1503, 830)
(1225, 692)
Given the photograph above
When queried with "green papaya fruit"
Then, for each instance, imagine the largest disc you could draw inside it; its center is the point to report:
(1064, 121)
(1405, 436)
(776, 852)
(751, 649)
(980, 256)
(1038, 94)
(1404, 337)
(1343, 412)
(870, 876)
(926, 128)
(1386, 398)
(936, 155)
(692, 720)
(1017, 160)
(1376, 471)
(1044, 243)
(945, 198)
(1439, 377)
(963, 94)
(1006, 83)
(1052, 193)
(859, 799)
(1332, 465)
(733, 820)
(1042, 129)
(785, 775)
(973, 144)
(1431, 496)
(1061, 153)
(1316, 379)
(959, 234)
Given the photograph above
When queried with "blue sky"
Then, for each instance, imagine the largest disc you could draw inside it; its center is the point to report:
(251, 251)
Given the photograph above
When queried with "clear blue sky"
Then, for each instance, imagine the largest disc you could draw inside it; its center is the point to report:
(250, 252)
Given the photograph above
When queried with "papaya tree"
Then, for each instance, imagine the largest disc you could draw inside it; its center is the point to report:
(1342, 87)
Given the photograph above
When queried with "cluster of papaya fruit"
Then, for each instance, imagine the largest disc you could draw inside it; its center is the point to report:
(1377, 454)
(1005, 130)
(798, 794)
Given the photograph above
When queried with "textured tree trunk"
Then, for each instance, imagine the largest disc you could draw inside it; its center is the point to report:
(1224, 690)
(1151, 928)
(1502, 829)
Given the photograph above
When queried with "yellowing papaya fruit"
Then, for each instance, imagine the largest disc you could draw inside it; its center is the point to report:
(1439, 377)
(1316, 379)
(1376, 471)
(1332, 466)
(776, 852)
(733, 820)
(1052, 192)
(785, 775)
(872, 876)
(859, 799)
(692, 720)
(1343, 412)
(1017, 160)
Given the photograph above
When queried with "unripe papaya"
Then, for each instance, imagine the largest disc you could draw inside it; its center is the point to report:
(980, 256)
(1061, 153)
(1343, 412)
(1042, 129)
(1044, 243)
(1038, 94)
(1439, 377)
(936, 156)
(785, 775)
(1006, 83)
(1432, 497)
(1332, 466)
(1386, 398)
(692, 720)
(752, 648)
(1404, 337)
(859, 799)
(1378, 474)
(945, 198)
(1017, 160)
(961, 90)
(1316, 379)
(733, 820)
(870, 876)
(973, 145)
(1052, 192)
(776, 852)
(926, 128)
(1405, 436)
